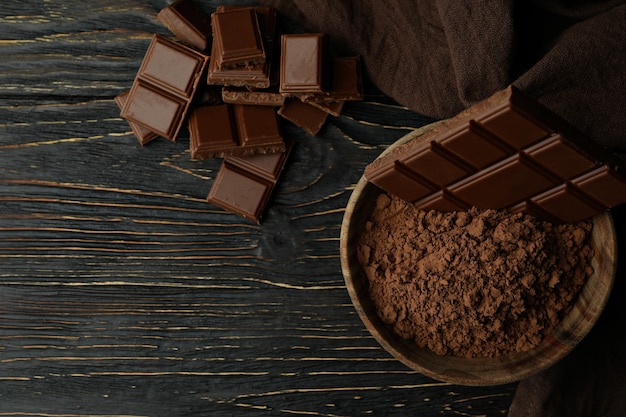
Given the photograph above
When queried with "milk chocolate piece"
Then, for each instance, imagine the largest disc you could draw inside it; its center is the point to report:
(507, 152)
(346, 81)
(188, 23)
(257, 76)
(238, 38)
(258, 126)
(142, 134)
(303, 64)
(303, 114)
(244, 185)
(267, 18)
(211, 130)
(225, 130)
(164, 87)
(242, 95)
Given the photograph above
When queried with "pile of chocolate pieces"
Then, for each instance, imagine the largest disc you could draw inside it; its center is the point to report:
(229, 80)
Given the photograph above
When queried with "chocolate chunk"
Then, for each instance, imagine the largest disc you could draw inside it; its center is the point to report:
(304, 115)
(258, 127)
(257, 76)
(267, 18)
(142, 134)
(346, 81)
(303, 64)
(188, 23)
(244, 185)
(238, 38)
(164, 87)
(226, 130)
(507, 152)
(211, 130)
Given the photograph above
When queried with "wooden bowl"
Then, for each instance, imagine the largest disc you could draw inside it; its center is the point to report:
(476, 371)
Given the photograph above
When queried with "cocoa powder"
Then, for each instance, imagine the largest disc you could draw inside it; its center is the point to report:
(480, 283)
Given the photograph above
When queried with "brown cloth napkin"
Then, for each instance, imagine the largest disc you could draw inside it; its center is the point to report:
(438, 57)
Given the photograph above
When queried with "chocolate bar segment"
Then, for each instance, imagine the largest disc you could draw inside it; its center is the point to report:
(507, 152)
(267, 18)
(256, 76)
(239, 39)
(303, 64)
(188, 23)
(211, 130)
(346, 81)
(226, 130)
(142, 134)
(164, 87)
(244, 185)
(257, 126)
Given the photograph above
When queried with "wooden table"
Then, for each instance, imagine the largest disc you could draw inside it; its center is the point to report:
(124, 293)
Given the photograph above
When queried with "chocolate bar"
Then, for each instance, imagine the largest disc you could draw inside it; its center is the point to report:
(507, 152)
(244, 185)
(164, 87)
(242, 95)
(304, 115)
(303, 64)
(238, 38)
(142, 134)
(234, 130)
(188, 23)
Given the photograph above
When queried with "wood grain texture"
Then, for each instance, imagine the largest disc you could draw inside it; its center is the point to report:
(123, 293)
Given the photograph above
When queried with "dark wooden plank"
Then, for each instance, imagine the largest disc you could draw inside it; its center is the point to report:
(122, 292)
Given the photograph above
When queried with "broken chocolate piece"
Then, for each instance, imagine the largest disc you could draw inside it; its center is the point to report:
(304, 115)
(244, 185)
(142, 134)
(164, 87)
(257, 126)
(226, 130)
(303, 64)
(346, 81)
(188, 23)
(257, 76)
(238, 38)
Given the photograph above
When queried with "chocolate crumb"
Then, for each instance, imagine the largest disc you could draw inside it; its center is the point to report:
(480, 283)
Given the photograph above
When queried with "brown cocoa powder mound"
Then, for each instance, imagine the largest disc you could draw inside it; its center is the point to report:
(480, 283)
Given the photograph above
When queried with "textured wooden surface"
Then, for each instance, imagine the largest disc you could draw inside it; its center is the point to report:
(123, 293)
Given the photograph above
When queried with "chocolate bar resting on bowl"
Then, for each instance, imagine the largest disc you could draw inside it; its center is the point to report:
(506, 152)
